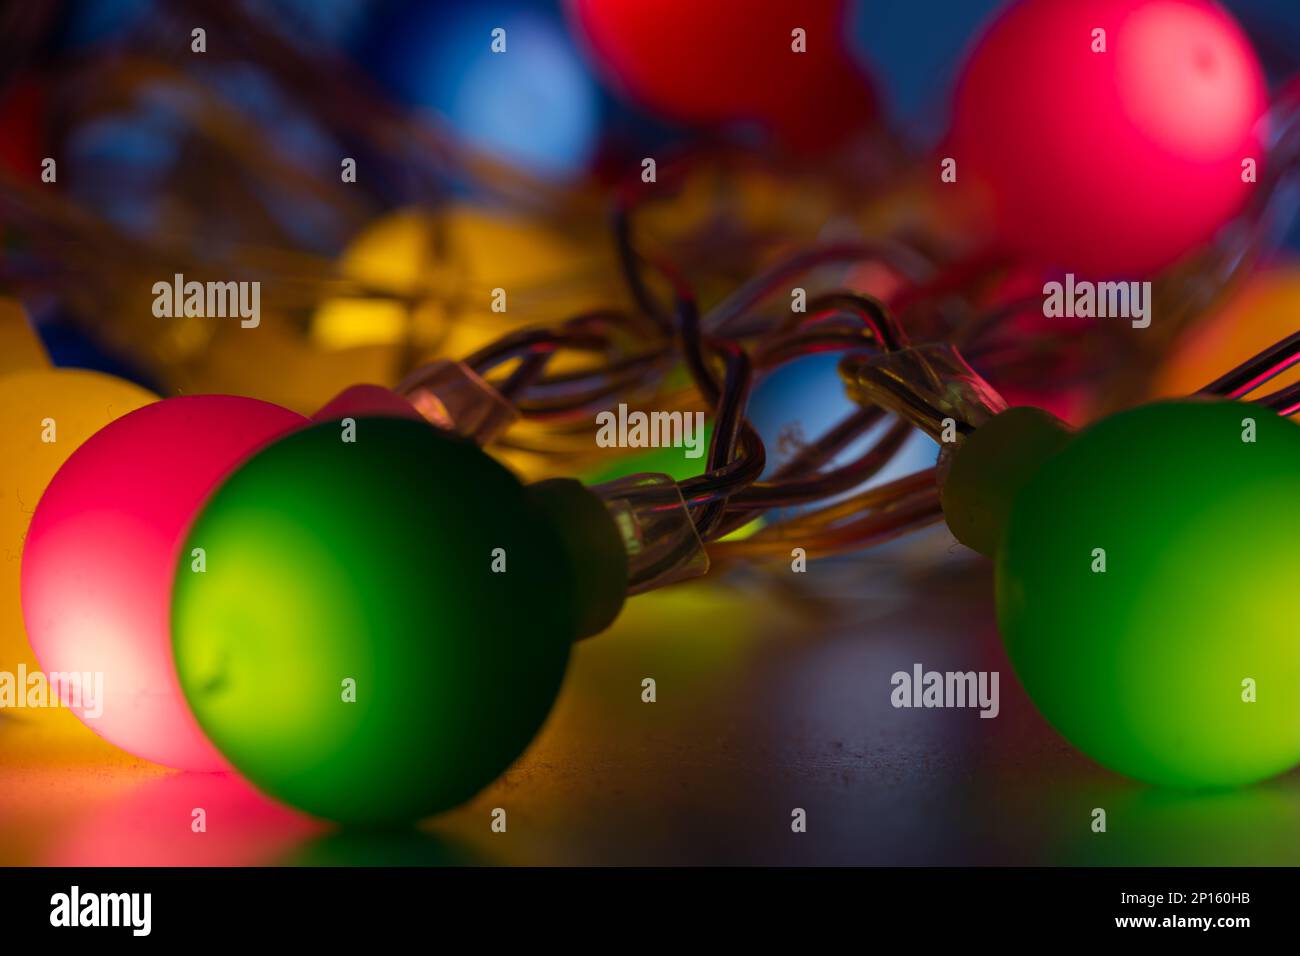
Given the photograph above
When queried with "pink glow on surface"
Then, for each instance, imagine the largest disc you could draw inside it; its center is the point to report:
(154, 825)
(101, 554)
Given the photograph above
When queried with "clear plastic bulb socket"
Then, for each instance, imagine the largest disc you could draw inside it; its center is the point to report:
(658, 533)
(453, 396)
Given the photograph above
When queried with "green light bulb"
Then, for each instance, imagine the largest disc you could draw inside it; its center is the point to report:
(1146, 581)
(380, 627)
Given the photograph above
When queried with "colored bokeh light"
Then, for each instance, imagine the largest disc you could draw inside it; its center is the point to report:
(1109, 137)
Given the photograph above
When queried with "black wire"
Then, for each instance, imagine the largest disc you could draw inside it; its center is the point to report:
(631, 264)
(831, 443)
(1257, 370)
(1285, 401)
(591, 331)
(870, 311)
(898, 256)
(763, 495)
(727, 472)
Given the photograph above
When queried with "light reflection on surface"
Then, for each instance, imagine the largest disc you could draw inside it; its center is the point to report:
(771, 695)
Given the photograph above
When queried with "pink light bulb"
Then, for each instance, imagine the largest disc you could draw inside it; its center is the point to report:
(102, 551)
(358, 401)
(1109, 137)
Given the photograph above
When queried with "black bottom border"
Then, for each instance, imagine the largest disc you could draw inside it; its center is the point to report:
(333, 904)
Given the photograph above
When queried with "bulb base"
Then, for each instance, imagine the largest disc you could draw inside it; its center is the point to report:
(594, 546)
(990, 466)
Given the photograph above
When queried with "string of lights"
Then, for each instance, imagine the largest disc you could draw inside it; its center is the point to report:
(388, 541)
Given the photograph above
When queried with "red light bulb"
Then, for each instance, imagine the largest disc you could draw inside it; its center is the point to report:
(1115, 152)
(732, 60)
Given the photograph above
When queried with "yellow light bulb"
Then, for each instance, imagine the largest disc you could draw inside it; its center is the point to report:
(431, 277)
(45, 415)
